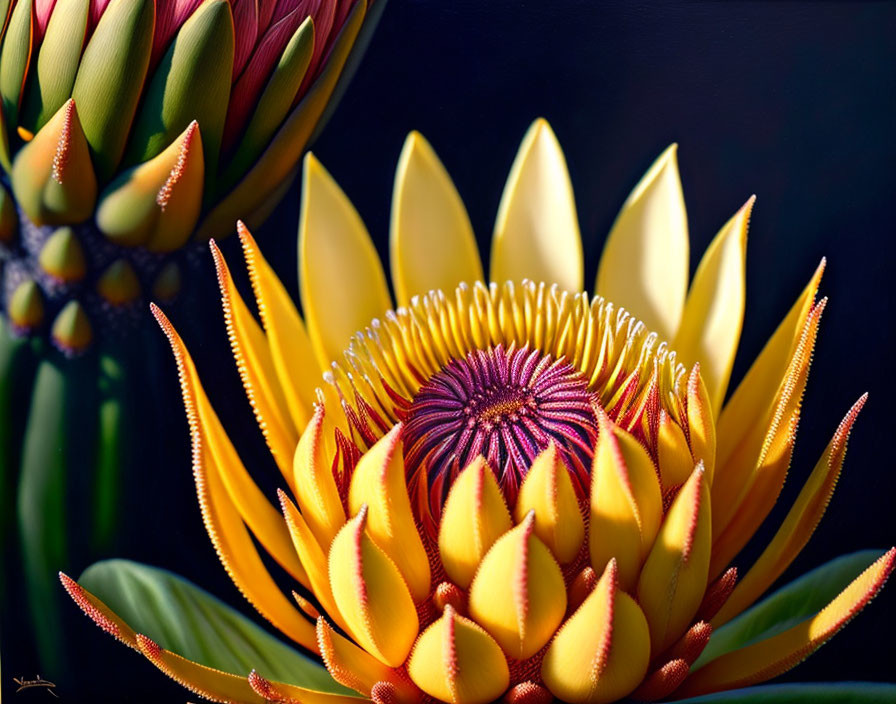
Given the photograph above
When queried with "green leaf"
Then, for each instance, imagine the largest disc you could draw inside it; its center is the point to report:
(53, 455)
(14, 58)
(280, 158)
(189, 621)
(191, 83)
(804, 693)
(110, 79)
(788, 606)
(114, 444)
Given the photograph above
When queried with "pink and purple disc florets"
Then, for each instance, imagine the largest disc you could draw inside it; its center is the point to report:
(506, 405)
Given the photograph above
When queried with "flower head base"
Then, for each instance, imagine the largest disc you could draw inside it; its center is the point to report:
(512, 490)
(141, 125)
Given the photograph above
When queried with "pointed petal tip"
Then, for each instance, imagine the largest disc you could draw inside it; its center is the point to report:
(148, 647)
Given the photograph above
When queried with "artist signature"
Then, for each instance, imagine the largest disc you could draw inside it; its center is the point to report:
(37, 683)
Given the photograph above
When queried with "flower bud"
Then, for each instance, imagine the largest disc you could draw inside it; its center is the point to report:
(456, 661)
(62, 256)
(601, 653)
(523, 621)
(473, 518)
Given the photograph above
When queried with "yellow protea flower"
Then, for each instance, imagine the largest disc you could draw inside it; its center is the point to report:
(509, 489)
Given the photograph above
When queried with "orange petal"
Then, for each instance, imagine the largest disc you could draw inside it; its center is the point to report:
(291, 694)
(316, 489)
(798, 525)
(213, 459)
(99, 613)
(291, 352)
(350, 665)
(253, 360)
(749, 485)
(773, 656)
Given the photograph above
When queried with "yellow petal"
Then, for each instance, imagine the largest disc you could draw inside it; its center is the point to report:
(371, 594)
(798, 525)
(312, 557)
(379, 482)
(537, 230)
(253, 360)
(674, 577)
(291, 694)
(547, 490)
(341, 280)
(221, 686)
(749, 483)
(205, 681)
(644, 266)
(745, 421)
(601, 653)
(316, 489)
(350, 665)
(291, 353)
(701, 424)
(523, 623)
(431, 243)
(714, 311)
(773, 656)
(673, 452)
(626, 503)
(755, 395)
(473, 518)
(456, 661)
(223, 485)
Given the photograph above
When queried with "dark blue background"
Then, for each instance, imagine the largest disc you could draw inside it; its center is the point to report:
(793, 101)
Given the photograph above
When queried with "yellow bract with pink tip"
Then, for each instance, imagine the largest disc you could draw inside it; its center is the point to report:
(509, 489)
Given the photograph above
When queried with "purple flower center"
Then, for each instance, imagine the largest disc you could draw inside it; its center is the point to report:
(506, 405)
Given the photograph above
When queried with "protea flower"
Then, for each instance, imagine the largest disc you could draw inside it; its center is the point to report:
(510, 489)
(129, 130)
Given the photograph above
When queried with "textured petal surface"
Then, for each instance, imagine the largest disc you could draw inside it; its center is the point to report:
(456, 661)
(602, 651)
(626, 504)
(798, 525)
(537, 230)
(371, 594)
(379, 482)
(297, 369)
(644, 266)
(473, 518)
(523, 623)
(548, 491)
(770, 657)
(223, 522)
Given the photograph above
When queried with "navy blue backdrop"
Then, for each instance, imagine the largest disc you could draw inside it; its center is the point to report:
(793, 101)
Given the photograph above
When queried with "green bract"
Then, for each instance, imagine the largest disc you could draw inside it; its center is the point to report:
(150, 123)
